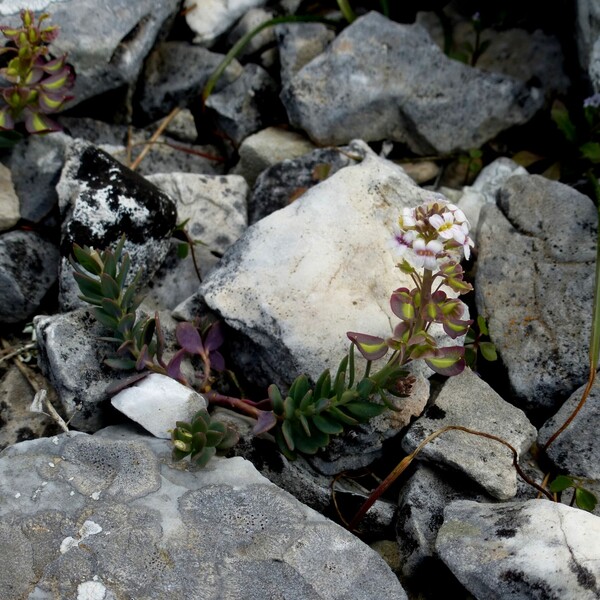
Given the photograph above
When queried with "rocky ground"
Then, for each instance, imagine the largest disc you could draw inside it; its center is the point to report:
(291, 174)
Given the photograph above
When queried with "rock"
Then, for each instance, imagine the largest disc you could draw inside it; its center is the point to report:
(35, 163)
(214, 17)
(175, 75)
(157, 402)
(404, 89)
(301, 480)
(106, 43)
(468, 401)
(28, 269)
(533, 549)
(248, 104)
(485, 189)
(252, 18)
(517, 53)
(588, 40)
(537, 246)
(286, 181)
(71, 357)
(17, 422)
(265, 148)
(215, 211)
(573, 452)
(298, 44)
(421, 513)
(101, 200)
(299, 279)
(112, 513)
(9, 201)
(422, 171)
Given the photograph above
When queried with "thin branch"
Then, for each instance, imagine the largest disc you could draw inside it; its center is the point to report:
(12, 353)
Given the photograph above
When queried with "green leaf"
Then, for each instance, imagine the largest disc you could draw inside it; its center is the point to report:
(112, 308)
(337, 414)
(327, 424)
(106, 320)
(288, 435)
(110, 265)
(488, 351)
(230, 439)
(178, 455)
(199, 425)
(299, 388)
(88, 286)
(483, 329)
(183, 250)
(276, 399)
(123, 364)
(585, 500)
(305, 426)
(201, 459)
(561, 483)
(86, 261)
(365, 387)
(560, 115)
(306, 401)
(129, 302)
(123, 271)
(126, 323)
(591, 151)
(364, 410)
(289, 408)
(214, 438)
(199, 441)
(323, 385)
(109, 287)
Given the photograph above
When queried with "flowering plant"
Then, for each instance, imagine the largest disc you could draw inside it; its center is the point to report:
(433, 237)
(38, 84)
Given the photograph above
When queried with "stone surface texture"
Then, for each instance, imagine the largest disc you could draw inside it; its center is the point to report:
(534, 284)
(533, 549)
(467, 401)
(9, 201)
(112, 514)
(389, 93)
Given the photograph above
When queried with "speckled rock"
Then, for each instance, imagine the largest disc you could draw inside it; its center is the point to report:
(100, 200)
(533, 549)
(28, 269)
(9, 201)
(534, 284)
(111, 514)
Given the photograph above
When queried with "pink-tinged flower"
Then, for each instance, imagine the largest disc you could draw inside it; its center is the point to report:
(467, 245)
(447, 228)
(401, 241)
(426, 254)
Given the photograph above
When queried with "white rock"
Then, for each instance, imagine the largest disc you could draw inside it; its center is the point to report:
(157, 402)
(210, 18)
(9, 201)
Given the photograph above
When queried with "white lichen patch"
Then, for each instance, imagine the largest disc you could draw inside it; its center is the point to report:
(91, 590)
(95, 496)
(88, 528)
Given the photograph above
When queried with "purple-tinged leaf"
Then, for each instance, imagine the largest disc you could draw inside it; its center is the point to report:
(214, 338)
(217, 362)
(189, 338)
(370, 346)
(160, 342)
(174, 366)
(143, 359)
(36, 122)
(455, 327)
(447, 361)
(402, 304)
(266, 421)
(117, 386)
(6, 121)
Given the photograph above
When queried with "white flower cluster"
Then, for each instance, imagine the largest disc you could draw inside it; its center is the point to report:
(432, 233)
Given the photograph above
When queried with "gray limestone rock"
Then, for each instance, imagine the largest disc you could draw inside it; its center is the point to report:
(175, 74)
(533, 549)
(35, 163)
(467, 401)
(101, 200)
(575, 451)
(421, 513)
(534, 284)
(111, 514)
(214, 208)
(299, 279)
(286, 181)
(245, 106)
(298, 44)
(404, 89)
(28, 269)
(266, 148)
(106, 42)
(588, 39)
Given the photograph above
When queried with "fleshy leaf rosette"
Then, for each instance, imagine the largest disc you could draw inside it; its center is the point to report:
(38, 85)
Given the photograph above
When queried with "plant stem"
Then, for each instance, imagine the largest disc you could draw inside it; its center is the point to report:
(231, 402)
(407, 460)
(347, 11)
